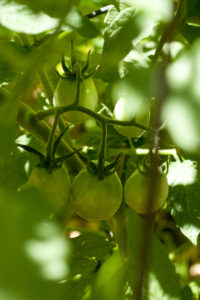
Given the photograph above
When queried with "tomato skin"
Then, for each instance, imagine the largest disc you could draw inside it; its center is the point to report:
(124, 111)
(65, 95)
(95, 199)
(54, 186)
(136, 192)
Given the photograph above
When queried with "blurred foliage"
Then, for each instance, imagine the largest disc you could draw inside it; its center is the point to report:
(146, 52)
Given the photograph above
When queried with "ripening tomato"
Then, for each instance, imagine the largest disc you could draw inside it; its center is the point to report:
(94, 199)
(136, 192)
(125, 110)
(54, 186)
(66, 93)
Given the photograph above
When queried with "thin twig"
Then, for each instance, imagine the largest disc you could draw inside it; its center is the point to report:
(98, 12)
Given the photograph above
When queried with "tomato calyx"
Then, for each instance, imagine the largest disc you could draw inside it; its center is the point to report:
(92, 166)
(145, 167)
(69, 67)
(44, 163)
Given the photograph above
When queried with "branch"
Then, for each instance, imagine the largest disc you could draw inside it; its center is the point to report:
(62, 109)
(26, 118)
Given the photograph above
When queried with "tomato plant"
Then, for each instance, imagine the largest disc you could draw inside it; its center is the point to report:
(95, 199)
(65, 94)
(79, 228)
(136, 192)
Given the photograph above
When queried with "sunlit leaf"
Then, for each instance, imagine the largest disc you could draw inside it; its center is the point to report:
(184, 197)
(184, 74)
(181, 118)
(118, 37)
(182, 173)
(55, 8)
(20, 18)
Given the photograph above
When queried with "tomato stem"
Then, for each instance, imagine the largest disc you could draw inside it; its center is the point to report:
(101, 159)
(78, 80)
(73, 57)
(50, 141)
(46, 85)
(62, 109)
(26, 118)
(84, 69)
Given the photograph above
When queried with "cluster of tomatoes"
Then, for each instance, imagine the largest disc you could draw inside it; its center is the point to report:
(91, 197)
(94, 198)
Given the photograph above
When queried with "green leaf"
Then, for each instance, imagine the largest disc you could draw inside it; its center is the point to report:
(186, 293)
(8, 128)
(154, 9)
(184, 196)
(20, 18)
(118, 37)
(183, 75)
(13, 60)
(78, 287)
(182, 106)
(125, 29)
(88, 250)
(191, 33)
(81, 24)
(110, 280)
(193, 11)
(161, 281)
(181, 118)
(54, 8)
(13, 170)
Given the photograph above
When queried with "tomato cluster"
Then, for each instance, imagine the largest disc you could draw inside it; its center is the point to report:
(97, 199)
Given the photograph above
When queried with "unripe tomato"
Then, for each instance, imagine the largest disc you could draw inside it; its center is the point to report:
(95, 199)
(65, 95)
(54, 186)
(125, 111)
(136, 192)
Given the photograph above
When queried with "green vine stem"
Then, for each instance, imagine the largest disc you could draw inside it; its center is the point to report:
(46, 85)
(50, 141)
(26, 118)
(78, 79)
(62, 109)
(73, 56)
(101, 159)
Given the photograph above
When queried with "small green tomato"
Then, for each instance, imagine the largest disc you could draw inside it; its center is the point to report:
(136, 192)
(95, 199)
(54, 186)
(66, 93)
(126, 111)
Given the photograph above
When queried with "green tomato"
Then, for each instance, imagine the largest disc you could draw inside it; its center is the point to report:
(126, 111)
(54, 186)
(66, 93)
(136, 192)
(95, 199)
